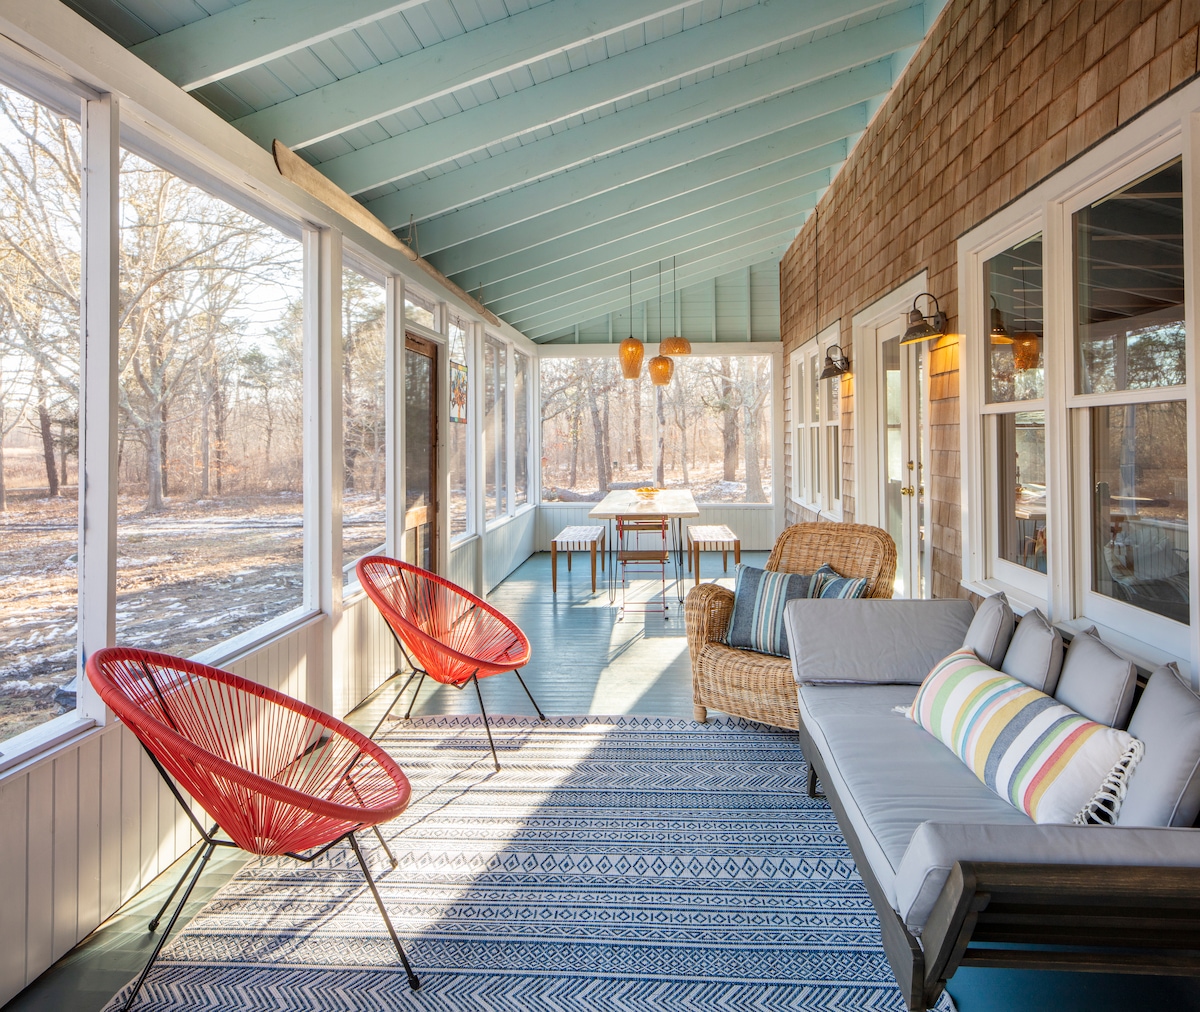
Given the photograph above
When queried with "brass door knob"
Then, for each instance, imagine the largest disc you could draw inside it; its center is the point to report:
(907, 490)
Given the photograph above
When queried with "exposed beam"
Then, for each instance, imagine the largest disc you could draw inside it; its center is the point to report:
(556, 292)
(591, 87)
(675, 110)
(699, 264)
(740, 141)
(751, 257)
(254, 33)
(440, 69)
(817, 138)
(676, 239)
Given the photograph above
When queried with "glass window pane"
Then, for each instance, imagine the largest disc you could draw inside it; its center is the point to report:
(1013, 313)
(834, 456)
(1139, 480)
(420, 309)
(457, 430)
(521, 428)
(495, 423)
(708, 430)
(1129, 286)
(39, 412)
(364, 425)
(1020, 469)
(814, 389)
(210, 529)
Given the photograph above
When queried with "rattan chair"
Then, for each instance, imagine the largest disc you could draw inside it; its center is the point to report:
(759, 686)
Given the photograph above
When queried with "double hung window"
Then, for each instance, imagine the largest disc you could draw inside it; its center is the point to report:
(816, 439)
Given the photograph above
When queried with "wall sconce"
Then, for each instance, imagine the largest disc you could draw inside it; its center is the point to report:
(999, 333)
(925, 328)
(836, 363)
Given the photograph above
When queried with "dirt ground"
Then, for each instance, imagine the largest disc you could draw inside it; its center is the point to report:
(188, 578)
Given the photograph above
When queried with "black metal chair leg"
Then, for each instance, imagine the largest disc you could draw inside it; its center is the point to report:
(486, 726)
(186, 872)
(413, 982)
(206, 853)
(392, 705)
(383, 843)
(541, 716)
(413, 702)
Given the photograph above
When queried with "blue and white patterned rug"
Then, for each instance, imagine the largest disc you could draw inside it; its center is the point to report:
(613, 863)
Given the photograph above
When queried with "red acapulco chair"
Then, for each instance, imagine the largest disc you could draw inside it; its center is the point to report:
(276, 775)
(444, 631)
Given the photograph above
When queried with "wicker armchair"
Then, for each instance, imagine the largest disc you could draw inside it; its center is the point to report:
(759, 686)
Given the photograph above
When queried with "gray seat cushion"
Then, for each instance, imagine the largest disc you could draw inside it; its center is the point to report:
(891, 774)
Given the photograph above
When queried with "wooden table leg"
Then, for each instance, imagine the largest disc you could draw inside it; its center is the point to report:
(695, 548)
(593, 547)
(554, 566)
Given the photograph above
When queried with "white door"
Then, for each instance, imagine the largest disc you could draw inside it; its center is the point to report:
(903, 506)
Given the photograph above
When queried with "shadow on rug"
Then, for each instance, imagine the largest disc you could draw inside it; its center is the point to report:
(613, 863)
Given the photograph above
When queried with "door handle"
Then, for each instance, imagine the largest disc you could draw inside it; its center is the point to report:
(907, 490)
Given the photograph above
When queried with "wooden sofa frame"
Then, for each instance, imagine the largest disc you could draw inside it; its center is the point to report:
(1116, 919)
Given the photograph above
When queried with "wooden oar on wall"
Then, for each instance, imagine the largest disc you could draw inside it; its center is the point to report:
(296, 170)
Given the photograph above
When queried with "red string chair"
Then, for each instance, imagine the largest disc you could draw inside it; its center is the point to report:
(276, 775)
(444, 631)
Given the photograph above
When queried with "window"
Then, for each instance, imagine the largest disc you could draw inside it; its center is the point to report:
(420, 309)
(39, 411)
(210, 528)
(1129, 337)
(495, 427)
(520, 428)
(1016, 428)
(459, 430)
(364, 424)
(1078, 407)
(708, 430)
(817, 435)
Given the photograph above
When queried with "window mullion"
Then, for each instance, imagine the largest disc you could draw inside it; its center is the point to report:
(1064, 520)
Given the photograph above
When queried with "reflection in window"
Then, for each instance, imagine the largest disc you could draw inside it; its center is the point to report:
(39, 412)
(1020, 466)
(364, 426)
(495, 425)
(707, 430)
(520, 428)
(1014, 306)
(1139, 481)
(420, 309)
(210, 529)
(456, 441)
(1129, 285)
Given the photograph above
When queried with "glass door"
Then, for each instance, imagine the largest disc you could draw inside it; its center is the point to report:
(420, 452)
(904, 503)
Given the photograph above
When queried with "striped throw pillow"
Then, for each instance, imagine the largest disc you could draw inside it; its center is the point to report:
(1040, 756)
(759, 597)
(835, 585)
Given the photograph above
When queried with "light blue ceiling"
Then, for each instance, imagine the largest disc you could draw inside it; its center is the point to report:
(545, 149)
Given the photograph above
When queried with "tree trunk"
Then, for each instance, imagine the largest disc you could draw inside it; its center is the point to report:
(608, 458)
(205, 439)
(62, 452)
(729, 432)
(220, 414)
(47, 435)
(154, 447)
(660, 440)
(637, 428)
(162, 458)
(574, 476)
(3, 493)
(598, 442)
(754, 489)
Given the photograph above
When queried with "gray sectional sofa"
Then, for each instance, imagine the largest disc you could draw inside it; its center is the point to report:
(958, 875)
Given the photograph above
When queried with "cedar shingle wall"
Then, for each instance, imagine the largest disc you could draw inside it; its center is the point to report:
(1001, 94)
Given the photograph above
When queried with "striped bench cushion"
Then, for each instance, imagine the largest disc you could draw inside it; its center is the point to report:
(579, 538)
(712, 537)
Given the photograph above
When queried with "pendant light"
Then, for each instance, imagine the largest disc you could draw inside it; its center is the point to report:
(999, 332)
(1027, 345)
(677, 345)
(632, 350)
(661, 368)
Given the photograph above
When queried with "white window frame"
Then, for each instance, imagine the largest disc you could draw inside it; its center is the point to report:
(813, 487)
(1168, 130)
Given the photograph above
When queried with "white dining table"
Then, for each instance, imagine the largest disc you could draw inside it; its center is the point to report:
(676, 504)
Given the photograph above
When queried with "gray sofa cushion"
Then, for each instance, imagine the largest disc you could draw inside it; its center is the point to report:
(1097, 682)
(991, 629)
(936, 846)
(1035, 654)
(873, 640)
(1164, 789)
(891, 774)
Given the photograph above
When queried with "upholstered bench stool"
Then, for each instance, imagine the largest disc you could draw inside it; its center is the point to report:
(712, 538)
(579, 538)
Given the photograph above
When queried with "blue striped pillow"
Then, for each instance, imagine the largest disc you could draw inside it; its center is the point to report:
(759, 597)
(833, 585)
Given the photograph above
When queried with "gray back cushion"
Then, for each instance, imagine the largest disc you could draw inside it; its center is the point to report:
(1097, 682)
(991, 629)
(1035, 653)
(1164, 789)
